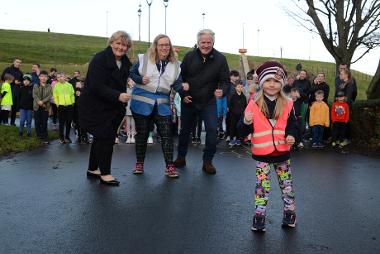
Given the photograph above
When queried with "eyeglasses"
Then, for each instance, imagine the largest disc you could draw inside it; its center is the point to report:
(163, 45)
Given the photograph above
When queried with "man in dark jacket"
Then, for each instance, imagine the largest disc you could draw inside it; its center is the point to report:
(14, 69)
(205, 74)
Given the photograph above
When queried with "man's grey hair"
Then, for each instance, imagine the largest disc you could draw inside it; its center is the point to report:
(206, 31)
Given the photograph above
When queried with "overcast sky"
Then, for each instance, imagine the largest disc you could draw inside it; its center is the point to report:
(267, 27)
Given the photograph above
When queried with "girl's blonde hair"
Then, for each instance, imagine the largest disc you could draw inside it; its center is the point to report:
(281, 102)
(153, 53)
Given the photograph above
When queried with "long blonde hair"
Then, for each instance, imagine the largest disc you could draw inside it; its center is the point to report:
(152, 50)
(281, 102)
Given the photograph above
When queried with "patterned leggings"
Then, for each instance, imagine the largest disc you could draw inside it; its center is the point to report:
(163, 124)
(285, 181)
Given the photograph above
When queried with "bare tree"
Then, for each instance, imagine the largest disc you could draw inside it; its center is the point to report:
(346, 27)
(373, 91)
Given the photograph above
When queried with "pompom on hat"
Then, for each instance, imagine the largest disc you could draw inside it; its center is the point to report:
(28, 77)
(270, 69)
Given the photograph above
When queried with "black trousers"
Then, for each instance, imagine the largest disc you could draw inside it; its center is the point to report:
(101, 154)
(339, 131)
(197, 128)
(163, 124)
(234, 119)
(102, 149)
(54, 110)
(14, 111)
(40, 121)
(4, 116)
(65, 116)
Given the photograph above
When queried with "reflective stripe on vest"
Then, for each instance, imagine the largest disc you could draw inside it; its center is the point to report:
(267, 138)
(149, 100)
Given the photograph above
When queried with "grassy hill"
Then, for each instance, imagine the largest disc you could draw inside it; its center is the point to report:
(69, 52)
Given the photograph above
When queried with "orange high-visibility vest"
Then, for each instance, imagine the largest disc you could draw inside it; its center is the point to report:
(266, 138)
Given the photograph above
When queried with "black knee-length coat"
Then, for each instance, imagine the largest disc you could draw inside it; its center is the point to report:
(100, 111)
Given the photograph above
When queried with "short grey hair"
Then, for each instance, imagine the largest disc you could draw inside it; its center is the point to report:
(206, 31)
(124, 36)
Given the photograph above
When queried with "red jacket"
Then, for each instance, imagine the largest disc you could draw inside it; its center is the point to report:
(340, 112)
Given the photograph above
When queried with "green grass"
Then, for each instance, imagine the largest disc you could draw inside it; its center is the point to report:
(69, 52)
(10, 142)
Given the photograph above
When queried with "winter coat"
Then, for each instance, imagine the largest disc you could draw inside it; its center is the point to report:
(204, 76)
(99, 106)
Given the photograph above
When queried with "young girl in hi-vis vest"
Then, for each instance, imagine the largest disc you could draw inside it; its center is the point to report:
(270, 118)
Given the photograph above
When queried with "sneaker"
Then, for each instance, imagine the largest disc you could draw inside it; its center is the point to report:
(228, 139)
(128, 141)
(198, 141)
(258, 223)
(179, 162)
(300, 145)
(345, 142)
(232, 143)
(61, 141)
(314, 145)
(116, 140)
(133, 139)
(139, 168)
(150, 140)
(238, 142)
(320, 145)
(289, 219)
(68, 141)
(193, 140)
(171, 171)
(333, 144)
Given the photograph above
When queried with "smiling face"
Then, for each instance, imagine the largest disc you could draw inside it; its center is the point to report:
(205, 44)
(271, 87)
(163, 48)
(119, 48)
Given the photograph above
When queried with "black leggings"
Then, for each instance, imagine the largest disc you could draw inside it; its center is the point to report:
(163, 124)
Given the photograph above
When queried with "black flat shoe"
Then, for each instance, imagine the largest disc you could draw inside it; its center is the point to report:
(92, 175)
(113, 182)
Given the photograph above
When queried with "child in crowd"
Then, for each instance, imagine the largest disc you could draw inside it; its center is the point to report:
(270, 117)
(42, 94)
(6, 98)
(297, 104)
(26, 105)
(221, 111)
(236, 106)
(319, 118)
(177, 108)
(63, 94)
(130, 128)
(250, 87)
(340, 115)
(234, 77)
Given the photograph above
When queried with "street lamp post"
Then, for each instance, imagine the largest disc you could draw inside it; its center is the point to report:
(258, 42)
(203, 19)
(166, 3)
(139, 13)
(149, 4)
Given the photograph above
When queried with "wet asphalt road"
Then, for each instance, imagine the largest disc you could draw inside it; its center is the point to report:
(47, 205)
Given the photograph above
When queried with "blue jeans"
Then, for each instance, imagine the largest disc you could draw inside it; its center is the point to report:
(25, 116)
(317, 134)
(188, 117)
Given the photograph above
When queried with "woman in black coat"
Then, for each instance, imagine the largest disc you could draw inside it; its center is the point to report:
(101, 104)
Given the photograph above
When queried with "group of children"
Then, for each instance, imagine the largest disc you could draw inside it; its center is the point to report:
(37, 99)
(319, 117)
